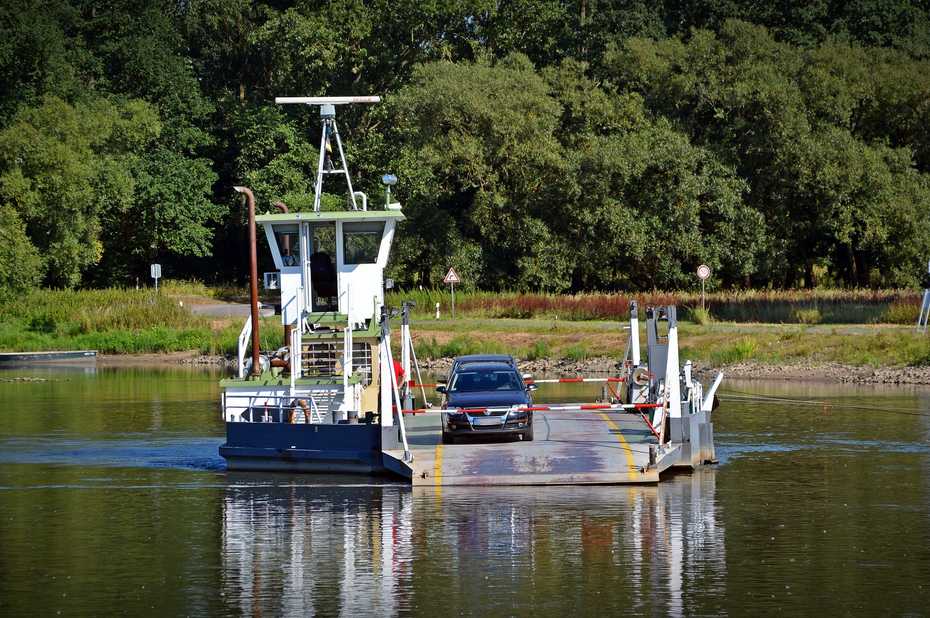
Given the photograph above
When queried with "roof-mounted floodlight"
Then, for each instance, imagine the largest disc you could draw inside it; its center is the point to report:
(389, 180)
(326, 165)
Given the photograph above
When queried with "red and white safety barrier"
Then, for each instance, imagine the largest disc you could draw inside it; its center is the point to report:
(559, 408)
(572, 380)
(416, 411)
(413, 384)
(544, 408)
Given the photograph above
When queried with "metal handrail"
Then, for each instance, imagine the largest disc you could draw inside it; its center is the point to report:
(386, 342)
(274, 402)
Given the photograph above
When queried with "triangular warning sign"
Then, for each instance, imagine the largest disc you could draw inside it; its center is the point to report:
(452, 277)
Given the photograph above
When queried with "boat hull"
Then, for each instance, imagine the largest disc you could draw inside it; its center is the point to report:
(304, 448)
(16, 359)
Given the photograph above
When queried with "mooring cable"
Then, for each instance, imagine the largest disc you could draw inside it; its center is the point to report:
(753, 397)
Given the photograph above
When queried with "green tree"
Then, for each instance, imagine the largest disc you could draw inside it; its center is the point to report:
(37, 57)
(483, 136)
(801, 128)
(62, 166)
(20, 264)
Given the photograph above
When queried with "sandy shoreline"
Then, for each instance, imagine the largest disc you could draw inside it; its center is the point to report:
(811, 372)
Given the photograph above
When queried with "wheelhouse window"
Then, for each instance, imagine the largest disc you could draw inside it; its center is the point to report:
(288, 240)
(361, 241)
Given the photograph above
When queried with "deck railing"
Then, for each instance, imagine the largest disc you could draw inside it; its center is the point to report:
(311, 407)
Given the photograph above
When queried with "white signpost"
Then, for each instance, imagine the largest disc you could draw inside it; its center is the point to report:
(703, 272)
(452, 278)
(156, 274)
(924, 309)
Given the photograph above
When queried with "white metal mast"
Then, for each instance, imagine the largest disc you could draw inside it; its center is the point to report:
(330, 129)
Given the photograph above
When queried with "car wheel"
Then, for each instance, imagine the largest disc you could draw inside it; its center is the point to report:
(528, 434)
(447, 438)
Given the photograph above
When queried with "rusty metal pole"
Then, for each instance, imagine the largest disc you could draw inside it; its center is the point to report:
(253, 280)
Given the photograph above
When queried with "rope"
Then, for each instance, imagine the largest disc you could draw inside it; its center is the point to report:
(735, 395)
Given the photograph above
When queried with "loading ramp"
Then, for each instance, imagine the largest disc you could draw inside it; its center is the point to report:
(570, 448)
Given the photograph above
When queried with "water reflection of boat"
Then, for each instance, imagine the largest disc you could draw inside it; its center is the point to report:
(383, 549)
(303, 550)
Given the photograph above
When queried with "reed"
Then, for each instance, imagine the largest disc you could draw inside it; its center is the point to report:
(857, 306)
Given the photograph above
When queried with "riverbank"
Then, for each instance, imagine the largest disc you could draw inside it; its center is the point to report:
(714, 344)
(139, 328)
(598, 366)
(800, 372)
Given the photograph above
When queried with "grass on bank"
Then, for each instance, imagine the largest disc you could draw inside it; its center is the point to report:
(121, 321)
(718, 343)
(117, 321)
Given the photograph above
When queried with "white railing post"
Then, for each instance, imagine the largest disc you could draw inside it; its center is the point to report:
(295, 358)
(672, 368)
(348, 393)
(400, 411)
(244, 338)
(634, 334)
(384, 380)
(416, 364)
(405, 345)
(387, 365)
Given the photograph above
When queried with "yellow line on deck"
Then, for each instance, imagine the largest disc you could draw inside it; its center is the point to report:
(437, 470)
(626, 447)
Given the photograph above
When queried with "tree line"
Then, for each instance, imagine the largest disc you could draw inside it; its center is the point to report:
(548, 145)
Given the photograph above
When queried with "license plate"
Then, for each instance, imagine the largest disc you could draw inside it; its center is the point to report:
(486, 420)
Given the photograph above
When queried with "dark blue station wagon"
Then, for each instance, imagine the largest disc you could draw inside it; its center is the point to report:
(485, 396)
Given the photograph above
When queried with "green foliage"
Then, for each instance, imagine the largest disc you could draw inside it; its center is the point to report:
(742, 350)
(61, 166)
(457, 346)
(541, 145)
(524, 192)
(798, 127)
(20, 263)
(539, 350)
(577, 352)
(701, 316)
(809, 316)
(119, 321)
(902, 312)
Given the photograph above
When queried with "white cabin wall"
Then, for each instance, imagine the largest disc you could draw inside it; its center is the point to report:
(362, 286)
(290, 288)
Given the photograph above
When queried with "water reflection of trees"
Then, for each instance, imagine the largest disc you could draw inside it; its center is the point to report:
(382, 550)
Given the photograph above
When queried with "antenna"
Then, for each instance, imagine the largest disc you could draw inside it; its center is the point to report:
(330, 130)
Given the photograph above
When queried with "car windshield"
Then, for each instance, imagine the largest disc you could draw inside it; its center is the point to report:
(475, 380)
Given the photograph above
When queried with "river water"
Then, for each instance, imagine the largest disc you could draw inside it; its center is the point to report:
(113, 500)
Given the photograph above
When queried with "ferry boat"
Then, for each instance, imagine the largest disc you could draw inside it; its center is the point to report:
(329, 401)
